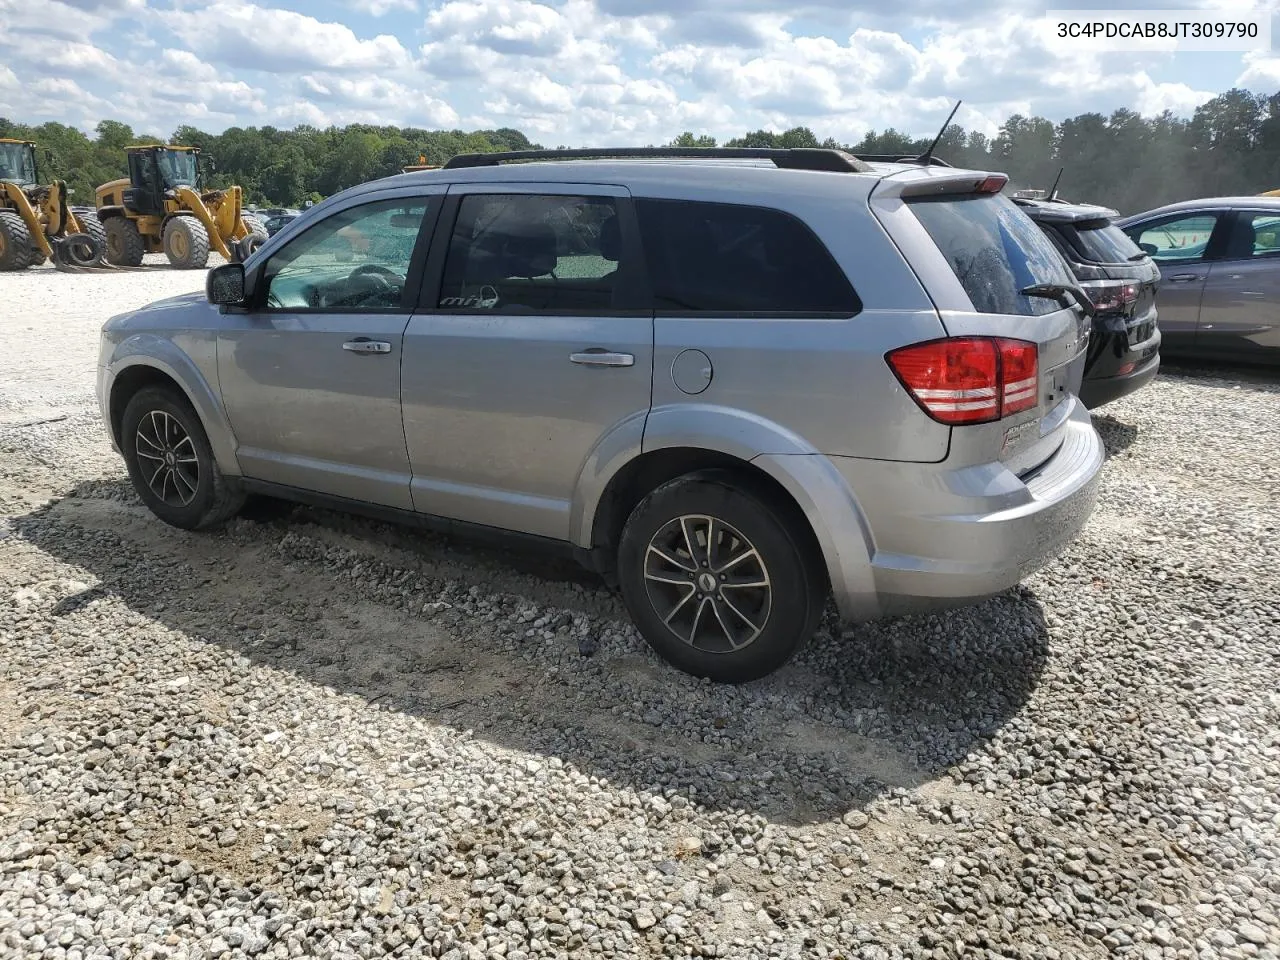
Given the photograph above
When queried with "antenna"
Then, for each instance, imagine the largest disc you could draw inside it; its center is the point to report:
(928, 154)
(1053, 191)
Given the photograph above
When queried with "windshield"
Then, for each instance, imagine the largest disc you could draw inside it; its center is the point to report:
(995, 250)
(1101, 241)
(17, 163)
(177, 167)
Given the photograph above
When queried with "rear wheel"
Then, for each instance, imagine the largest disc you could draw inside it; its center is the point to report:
(124, 243)
(716, 581)
(171, 463)
(186, 243)
(16, 249)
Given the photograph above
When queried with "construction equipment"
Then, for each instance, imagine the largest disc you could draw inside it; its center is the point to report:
(420, 165)
(162, 208)
(36, 221)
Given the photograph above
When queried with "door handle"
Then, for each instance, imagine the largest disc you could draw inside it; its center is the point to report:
(1184, 277)
(365, 345)
(598, 357)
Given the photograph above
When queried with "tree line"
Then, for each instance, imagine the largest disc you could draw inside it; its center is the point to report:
(1230, 145)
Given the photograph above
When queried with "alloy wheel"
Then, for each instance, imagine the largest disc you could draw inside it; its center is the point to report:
(167, 458)
(708, 583)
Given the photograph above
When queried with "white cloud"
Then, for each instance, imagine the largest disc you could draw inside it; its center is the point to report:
(578, 71)
(380, 8)
(248, 36)
(1261, 72)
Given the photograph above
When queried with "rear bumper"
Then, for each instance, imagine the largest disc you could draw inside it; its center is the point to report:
(1097, 390)
(948, 537)
(1120, 368)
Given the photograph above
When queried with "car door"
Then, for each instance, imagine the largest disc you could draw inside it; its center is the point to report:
(1240, 310)
(1181, 245)
(535, 340)
(310, 372)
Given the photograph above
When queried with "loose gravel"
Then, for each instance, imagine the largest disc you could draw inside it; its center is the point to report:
(314, 736)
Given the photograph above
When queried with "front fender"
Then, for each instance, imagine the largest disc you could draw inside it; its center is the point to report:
(826, 500)
(164, 356)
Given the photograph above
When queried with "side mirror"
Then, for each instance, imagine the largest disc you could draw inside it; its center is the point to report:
(48, 156)
(225, 284)
(1149, 248)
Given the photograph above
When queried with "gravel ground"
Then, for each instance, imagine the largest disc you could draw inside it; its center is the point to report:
(316, 736)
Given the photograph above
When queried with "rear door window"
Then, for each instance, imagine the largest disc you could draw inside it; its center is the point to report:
(1101, 241)
(739, 259)
(995, 250)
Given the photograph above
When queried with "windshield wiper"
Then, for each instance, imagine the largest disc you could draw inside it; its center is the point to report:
(1140, 255)
(1059, 291)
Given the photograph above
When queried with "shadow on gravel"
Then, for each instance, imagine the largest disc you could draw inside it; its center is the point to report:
(1117, 436)
(890, 705)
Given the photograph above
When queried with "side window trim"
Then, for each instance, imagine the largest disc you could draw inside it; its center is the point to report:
(633, 281)
(417, 259)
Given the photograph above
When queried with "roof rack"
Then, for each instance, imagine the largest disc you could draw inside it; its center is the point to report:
(796, 158)
(898, 158)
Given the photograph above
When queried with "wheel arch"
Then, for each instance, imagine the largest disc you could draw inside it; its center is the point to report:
(774, 463)
(132, 370)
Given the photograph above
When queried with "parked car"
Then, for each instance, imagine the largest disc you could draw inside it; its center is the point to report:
(1121, 280)
(1219, 262)
(733, 386)
(277, 223)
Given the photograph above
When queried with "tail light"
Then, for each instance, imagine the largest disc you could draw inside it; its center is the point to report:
(966, 380)
(1111, 295)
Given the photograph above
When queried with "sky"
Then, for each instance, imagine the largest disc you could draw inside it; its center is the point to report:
(587, 72)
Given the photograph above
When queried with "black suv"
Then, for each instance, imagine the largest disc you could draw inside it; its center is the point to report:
(1120, 279)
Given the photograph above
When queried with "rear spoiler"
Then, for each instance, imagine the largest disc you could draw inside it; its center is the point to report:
(942, 182)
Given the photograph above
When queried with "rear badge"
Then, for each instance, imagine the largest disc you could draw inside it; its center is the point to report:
(1016, 436)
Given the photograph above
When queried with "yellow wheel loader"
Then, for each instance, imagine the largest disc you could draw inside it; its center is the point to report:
(162, 208)
(36, 221)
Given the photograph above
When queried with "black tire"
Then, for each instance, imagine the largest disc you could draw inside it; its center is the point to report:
(79, 250)
(783, 623)
(124, 243)
(186, 243)
(246, 246)
(91, 225)
(197, 495)
(17, 252)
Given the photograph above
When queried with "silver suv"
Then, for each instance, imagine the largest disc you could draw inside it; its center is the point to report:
(733, 385)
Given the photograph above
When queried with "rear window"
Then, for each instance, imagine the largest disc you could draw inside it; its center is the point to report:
(995, 250)
(1101, 241)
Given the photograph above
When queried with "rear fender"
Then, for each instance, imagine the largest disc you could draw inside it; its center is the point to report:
(828, 504)
(164, 356)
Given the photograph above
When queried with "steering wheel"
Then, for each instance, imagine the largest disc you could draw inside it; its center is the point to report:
(375, 269)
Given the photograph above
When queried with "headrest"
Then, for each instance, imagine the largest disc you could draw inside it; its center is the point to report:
(532, 252)
(611, 239)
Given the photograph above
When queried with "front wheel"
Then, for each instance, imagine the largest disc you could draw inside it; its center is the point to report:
(171, 463)
(717, 580)
(186, 243)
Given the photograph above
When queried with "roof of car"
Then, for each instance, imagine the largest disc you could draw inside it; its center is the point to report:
(1206, 203)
